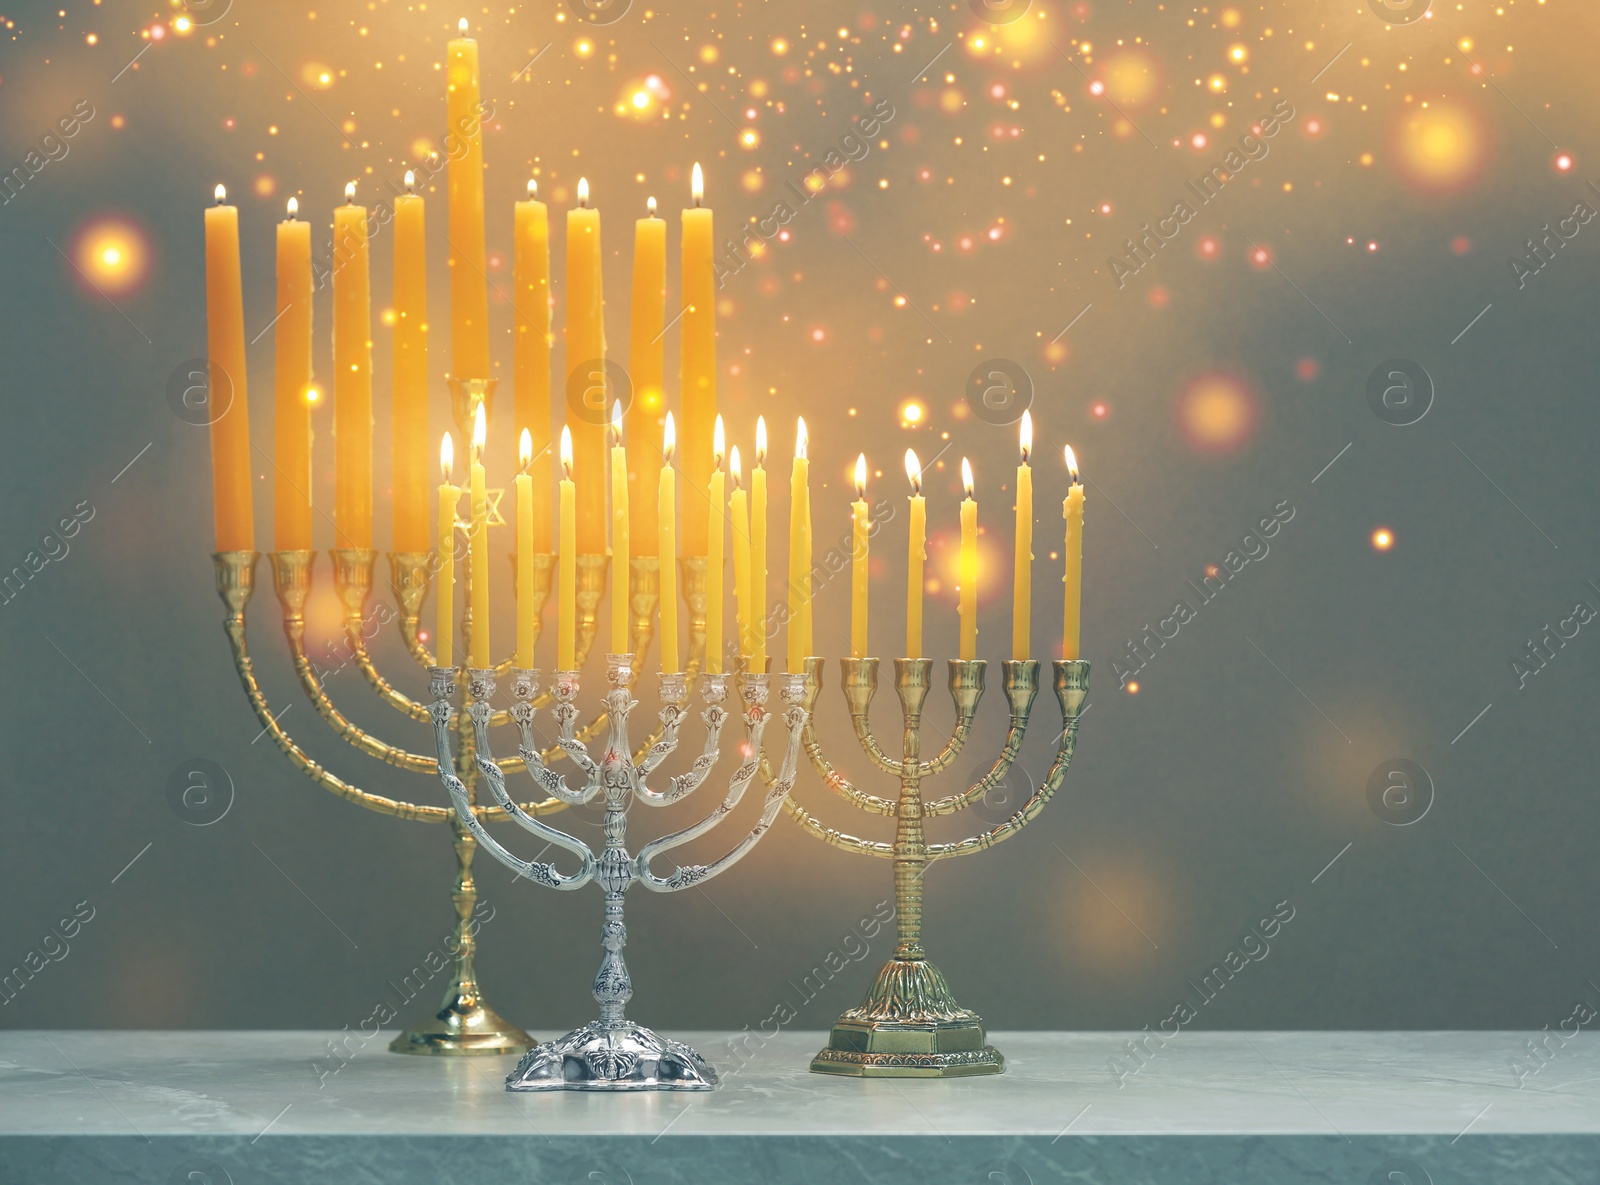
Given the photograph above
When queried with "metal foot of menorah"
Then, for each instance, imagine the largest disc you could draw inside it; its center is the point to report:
(910, 1025)
(613, 1053)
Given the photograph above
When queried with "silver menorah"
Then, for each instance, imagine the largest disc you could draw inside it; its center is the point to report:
(614, 1053)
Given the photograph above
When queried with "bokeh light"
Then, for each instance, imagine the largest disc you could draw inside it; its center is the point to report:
(1217, 412)
(1382, 538)
(113, 253)
(1444, 148)
(1130, 78)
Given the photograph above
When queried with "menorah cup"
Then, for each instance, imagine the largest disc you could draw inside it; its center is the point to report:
(464, 1023)
(614, 1053)
(910, 1025)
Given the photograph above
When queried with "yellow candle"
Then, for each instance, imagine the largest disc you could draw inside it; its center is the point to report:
(667, 548)
(352, 375)
(586, 353)
(969, 565)
(714, 554)
(917, 557)
(225, 349)
(739, 508)
(860, 545)
(1022, 573)
(478, 540)
(799, 636)
(647, 367)
(291, 435)
(697, 357)
(567, 579)
(449, 495)
(530, 347)
(1072, 511)
(526, 618)
(409, 446)
(758, 550)
(619, 536)
(469, 276)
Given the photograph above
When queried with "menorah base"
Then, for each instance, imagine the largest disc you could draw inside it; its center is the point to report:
(909, 1026)
(464, 1027)
(622, 1057)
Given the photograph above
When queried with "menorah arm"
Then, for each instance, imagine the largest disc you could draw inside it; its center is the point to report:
(714, 689)
(813, 826)
(482, 681)
(525, 697)
(1021, 679)
(1072, 688)
(966, 689)
(235, 571)
(682, 877)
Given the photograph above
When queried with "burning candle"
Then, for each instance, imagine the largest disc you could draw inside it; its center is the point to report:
(469, 283)
(714, 552)
(697, 356)
(586, 354)
(799, 552)
(530, 349)
(352, 375)
(230, 431)
(291, 425)
(527, 619)
(449, 495)
(409, 444)
(758, 550)
(917, 556)
(667, 548)
(1022, 572)
(860, 543)
(619, 535)
(567, 570)
(739, 508)
(1072, 511)
(647, 363)
(969, 565)
(478, 544)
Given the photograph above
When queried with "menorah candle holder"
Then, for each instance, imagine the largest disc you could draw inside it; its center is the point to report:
(614, 1053)
(464, 1023)
(910, 1025)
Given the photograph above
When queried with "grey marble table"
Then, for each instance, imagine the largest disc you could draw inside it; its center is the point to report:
(217, 1107)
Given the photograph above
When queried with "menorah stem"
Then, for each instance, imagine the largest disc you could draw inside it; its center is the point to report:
(910, 848)
(613, 987)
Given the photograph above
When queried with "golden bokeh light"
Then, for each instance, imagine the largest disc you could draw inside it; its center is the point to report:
(1217, 413)
(1440, 149)
(113, 255)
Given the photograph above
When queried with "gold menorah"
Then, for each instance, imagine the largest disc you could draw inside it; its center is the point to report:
(464, 1023)
(909, 1025)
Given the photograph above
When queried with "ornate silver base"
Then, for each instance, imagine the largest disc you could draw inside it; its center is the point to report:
(627, 1057)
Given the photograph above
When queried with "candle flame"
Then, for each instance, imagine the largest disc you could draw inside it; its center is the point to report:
(447, 456)
(221, 193)
(719, 442)
(761, 441)
(967, 484)
(411, 181)
(697, 184)
(583, 193)
(802, 438)
(914, 471)
(525, 450)
(861, 476)
(294, 208)
(350, 192)
(1025, 434)
(650, 206)
(735, 468)
(669, 440)
(1072, 464)
(616, 423)
(566, 451)
(461, 26)
(480, 432)
(533, 189)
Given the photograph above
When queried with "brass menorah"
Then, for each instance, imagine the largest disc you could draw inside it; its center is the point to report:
(464, 1023)
(909, 1025)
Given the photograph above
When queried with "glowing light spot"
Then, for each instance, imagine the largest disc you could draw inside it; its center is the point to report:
(1217, 83)
(1132, 687)
(779, 47)
(1130, 78)
(911, 414)
(1442, 149)
(1260, 258)
(183, 24)
(1198, 140)
(1217, 412)
(1099, 410)
(113, 254)
(749, 138)
(1461, 244)
(1238, 53)
(818, 335)
(1382, 539)
(1105, 209)
(1307, 369)
(583, 47)
(1372, 247)
(1209, 247)
(641, 99)
(1564, 162)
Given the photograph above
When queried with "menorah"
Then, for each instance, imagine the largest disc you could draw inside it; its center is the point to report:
(909, 1025)
(464, 1023)
(612, 1052)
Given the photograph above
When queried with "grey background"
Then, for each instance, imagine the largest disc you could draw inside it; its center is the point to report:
(1225, 786)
